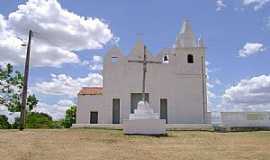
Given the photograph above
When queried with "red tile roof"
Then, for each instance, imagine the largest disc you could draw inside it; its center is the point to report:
(91, 91)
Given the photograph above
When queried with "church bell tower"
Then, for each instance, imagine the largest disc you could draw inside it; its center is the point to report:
(190, 63)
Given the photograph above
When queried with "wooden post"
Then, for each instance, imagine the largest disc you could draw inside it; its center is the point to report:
(25, 81)
(144, 72)
(144, 62)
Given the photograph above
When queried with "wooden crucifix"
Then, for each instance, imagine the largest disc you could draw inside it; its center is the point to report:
(144, 62)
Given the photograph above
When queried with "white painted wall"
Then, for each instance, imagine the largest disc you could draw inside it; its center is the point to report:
(88, 103)
(246, 119)
(180, 82)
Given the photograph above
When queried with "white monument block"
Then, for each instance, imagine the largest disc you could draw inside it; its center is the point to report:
(144, 121)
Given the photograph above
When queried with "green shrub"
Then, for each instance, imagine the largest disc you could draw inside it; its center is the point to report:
(38, 120)
(16, 124)
(57, 124)
(70, 117)
(248, 129)
(4, 124)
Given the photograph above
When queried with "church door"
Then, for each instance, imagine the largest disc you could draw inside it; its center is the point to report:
(93, 117)
(163, 109)
(116, 111)
(135, 98)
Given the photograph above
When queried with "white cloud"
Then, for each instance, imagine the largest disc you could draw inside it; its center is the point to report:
(258, 4)
(251, 48)
(248, 95)
(11, 50)
(220, 5)
(58, 26)
(42, 54)
(63, 84)
(10, 115)
(95, 64)
(57, 33)
(57, 111)
(211, 84)
(211, 96)
(217, 81)
(3, 25)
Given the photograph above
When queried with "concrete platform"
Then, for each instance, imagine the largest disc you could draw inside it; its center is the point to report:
(145, 126)
(101, 126)
(189, 127)
(172, 127)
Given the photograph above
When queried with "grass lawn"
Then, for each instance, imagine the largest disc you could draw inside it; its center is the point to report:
(88, 144)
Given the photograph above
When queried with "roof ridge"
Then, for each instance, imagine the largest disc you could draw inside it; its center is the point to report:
(90, 91)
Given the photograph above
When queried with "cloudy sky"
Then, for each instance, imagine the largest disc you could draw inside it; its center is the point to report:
(70, 38)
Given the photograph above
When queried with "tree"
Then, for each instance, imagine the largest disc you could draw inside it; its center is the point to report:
(4, 124)
(70, 117)
(31, 102)
(57, 124)
(38, 120)
(16, 123)
(11, 84)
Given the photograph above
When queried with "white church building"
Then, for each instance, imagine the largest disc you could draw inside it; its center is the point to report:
(175, 88)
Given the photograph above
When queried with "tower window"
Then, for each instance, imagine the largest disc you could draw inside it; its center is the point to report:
(114, 59)
(166, 59)
(190, 58)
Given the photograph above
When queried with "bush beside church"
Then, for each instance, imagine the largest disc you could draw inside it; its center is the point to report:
(41, 120)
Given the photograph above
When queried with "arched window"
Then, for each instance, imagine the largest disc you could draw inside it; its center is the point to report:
(166, 59)
(190, 58)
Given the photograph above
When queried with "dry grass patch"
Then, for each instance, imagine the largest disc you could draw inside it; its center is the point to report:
(88, 144)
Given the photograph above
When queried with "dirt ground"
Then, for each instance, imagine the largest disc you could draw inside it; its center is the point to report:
(88, 144)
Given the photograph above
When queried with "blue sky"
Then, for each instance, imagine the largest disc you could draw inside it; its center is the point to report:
(228, 27)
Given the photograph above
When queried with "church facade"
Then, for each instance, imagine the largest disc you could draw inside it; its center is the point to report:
(175, 88)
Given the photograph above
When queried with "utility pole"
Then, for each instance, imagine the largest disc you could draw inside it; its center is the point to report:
(25, 82)
(204, 90)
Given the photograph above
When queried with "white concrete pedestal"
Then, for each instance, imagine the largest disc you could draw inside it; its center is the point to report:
(144, 121)
(145, 126)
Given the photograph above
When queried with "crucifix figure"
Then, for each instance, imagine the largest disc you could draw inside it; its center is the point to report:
(144, 62)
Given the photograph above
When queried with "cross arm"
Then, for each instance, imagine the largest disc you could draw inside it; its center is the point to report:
(156, 62)
(137, 61)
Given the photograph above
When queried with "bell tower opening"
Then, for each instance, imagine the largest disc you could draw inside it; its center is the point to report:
(190, 58)
(165, 59)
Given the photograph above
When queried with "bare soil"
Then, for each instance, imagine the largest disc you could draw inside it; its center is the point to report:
(101, 144)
